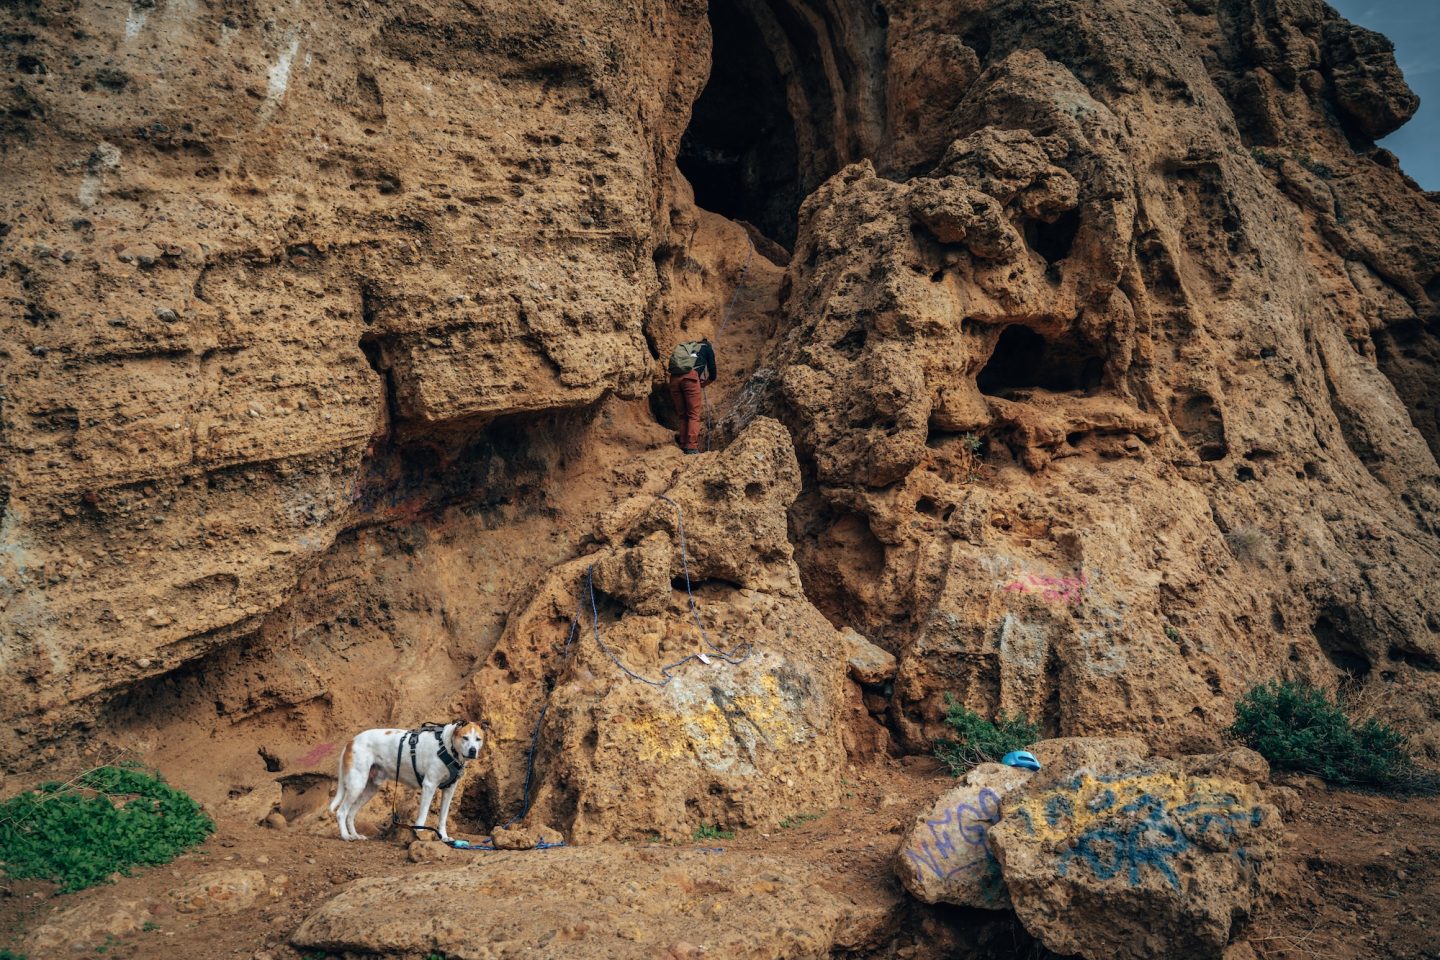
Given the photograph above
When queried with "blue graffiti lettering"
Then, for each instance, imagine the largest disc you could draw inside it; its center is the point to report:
(974, 832)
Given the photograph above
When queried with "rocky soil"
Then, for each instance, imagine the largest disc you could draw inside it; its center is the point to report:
(1077, 360)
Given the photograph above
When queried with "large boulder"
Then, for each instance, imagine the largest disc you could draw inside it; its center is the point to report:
(603, 901)
(1153, 861)
(946, 858)
(640, 734)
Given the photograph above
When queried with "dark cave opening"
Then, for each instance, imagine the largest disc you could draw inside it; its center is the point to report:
(740, 151)
(1053, 240)
(1338, 642)
(1023, 358)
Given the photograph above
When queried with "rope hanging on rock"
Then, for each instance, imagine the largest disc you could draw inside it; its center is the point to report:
(735, 655)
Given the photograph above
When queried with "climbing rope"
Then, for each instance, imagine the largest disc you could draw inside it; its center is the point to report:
(735, 293)
(736, 655)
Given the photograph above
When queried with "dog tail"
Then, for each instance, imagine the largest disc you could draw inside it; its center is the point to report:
(340, 778)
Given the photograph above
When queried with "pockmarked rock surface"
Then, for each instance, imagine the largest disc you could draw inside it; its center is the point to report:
(640, 735)
(227, 891)
(1123, 396)
(83, 928)
(946, 857)
(246, 251)
(1153, 861)
(600, 901)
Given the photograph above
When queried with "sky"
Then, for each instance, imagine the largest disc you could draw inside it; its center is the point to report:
(1414, 27)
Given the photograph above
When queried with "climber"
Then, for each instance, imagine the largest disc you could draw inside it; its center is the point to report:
(692, 367)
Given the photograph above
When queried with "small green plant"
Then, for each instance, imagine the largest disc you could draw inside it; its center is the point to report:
(1264, 157)
(712, 831)
(790, 823)
(977, 740)
(149, 925)
(971, 442)
(10, 955)
(1172, 633)
(103, 822)
(1314, 166)
(1297, 726)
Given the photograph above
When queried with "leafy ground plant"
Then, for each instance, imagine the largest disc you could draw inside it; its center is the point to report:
(978, 740)
(1297, 726)
(712, 831)
(103, 822)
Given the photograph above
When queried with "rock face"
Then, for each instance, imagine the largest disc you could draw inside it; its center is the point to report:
(1117, 402)
(247, 252)
(1152, 861)
(1100, 382)
(605, 901)
(640, 735)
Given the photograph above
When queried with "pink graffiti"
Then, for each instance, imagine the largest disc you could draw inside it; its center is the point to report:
(316, 755)
(1069, 590)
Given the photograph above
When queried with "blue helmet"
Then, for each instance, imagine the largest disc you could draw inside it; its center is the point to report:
(1021, 758)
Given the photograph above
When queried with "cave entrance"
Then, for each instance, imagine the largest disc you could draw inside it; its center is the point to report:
(1024, 359)
(740, 151)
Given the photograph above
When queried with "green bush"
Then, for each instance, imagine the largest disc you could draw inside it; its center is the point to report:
(103, 822)
(977, 740)
(1296, 726)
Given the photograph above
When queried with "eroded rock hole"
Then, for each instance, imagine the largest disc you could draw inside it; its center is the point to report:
(1053, 240)
(302, 794)
(740, 152)
(1198, 419)
(375, 356)
(1414, 657)
(1023, 358)
(1332, 632)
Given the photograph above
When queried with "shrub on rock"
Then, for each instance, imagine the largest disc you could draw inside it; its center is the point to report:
(978, 740)
(1296, 726)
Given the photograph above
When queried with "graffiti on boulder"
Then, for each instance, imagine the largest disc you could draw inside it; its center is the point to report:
(958, 840)
(1123, 825)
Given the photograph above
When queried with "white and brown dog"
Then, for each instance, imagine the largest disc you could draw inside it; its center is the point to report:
(431, 758)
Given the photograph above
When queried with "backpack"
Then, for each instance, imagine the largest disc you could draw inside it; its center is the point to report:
(686, 357)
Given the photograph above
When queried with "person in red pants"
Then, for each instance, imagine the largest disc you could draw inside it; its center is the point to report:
(692, 367)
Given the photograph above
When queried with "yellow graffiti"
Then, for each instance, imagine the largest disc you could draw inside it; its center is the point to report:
(714, 726)
(1086, 801)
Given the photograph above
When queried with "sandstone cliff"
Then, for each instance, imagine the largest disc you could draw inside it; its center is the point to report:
(1102, 332)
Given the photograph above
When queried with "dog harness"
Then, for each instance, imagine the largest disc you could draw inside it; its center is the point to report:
(452, 765)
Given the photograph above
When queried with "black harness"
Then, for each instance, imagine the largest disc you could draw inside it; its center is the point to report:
(453, 766)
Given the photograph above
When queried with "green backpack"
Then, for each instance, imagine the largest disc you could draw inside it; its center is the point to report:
(686, 357)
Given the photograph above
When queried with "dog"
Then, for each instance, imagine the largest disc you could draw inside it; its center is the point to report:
(431, 758)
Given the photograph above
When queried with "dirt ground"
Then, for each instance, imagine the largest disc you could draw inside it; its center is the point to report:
(1364, 880)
